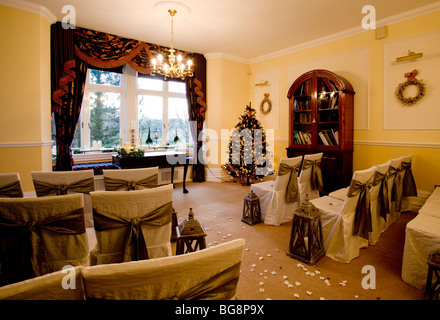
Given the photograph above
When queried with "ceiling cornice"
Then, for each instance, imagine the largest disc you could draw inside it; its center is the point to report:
(31, 7)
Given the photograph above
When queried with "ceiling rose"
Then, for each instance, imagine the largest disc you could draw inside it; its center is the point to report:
(178, 6)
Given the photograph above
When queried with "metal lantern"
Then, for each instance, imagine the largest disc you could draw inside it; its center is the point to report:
(251, 209)
(190, 235)
(306, 243)
(432, 290)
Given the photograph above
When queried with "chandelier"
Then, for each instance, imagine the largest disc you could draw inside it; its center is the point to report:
(175, 67)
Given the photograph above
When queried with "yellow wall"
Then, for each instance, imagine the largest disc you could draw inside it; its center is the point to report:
(373, 145)
(25, 93)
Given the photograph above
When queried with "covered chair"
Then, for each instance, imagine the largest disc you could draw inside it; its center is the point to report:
(208, 274)
(48, 183)
(279, 198)
(66, 284)
(132, 225)
(10, 185)
(346, 224)
(380, 204)
(41, 235)
(130, 179)
(409, 188)
(310, 177)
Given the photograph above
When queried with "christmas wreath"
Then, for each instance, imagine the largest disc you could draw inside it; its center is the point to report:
(412, 81)
(263, 102)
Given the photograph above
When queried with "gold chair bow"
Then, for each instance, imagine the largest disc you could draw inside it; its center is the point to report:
(397, 189)
(292, 185)
(12, 190)
(81, 186)
(23, 247)
(135, 247)
(409, 184)
(316, 175)
(383, 202)
(362, 218)
(114, 184)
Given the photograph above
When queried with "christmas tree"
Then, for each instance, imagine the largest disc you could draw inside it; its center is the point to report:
(248, 159)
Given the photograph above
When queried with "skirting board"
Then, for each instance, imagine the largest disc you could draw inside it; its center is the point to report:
(216, 175)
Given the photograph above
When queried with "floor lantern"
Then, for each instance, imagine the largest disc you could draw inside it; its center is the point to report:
(190, 235)
(306, 243)
(432, 289)
(251, 209)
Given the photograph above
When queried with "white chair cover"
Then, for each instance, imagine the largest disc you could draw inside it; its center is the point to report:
(60, 285)
(10, 185)
(338, 221)
(422, 237)
(130, 179)
(128, 207)
(305, 176)
(211, 273)
(379, 209)
(67, 180)
(275, 210)
(339, 194)
(41, 235)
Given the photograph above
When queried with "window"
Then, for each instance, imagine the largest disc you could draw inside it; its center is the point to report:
(113, 100)
(163, 108)
(100, 122)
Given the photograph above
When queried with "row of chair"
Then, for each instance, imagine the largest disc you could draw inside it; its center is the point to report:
(296, 178)
(48, 183)
(67, 218)
(212, 273)
(354, 217)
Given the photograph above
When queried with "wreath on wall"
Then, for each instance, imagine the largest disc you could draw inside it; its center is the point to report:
(411, 81)
(267, 101)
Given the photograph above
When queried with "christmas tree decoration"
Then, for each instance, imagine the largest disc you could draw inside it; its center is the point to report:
(248, 156)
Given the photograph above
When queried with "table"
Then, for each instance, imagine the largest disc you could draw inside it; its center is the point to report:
(161, 159)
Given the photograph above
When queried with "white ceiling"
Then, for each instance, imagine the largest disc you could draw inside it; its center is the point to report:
(244, 29)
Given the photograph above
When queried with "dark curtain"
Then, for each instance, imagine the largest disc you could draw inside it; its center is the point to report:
(196, 96)
(73, 50)
(67, 86)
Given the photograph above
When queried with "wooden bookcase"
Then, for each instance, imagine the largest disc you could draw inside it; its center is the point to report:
(321, 120)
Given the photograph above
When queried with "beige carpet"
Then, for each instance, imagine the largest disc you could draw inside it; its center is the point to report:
(268, 273)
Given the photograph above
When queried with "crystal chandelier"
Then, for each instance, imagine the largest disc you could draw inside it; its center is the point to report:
(171, 69)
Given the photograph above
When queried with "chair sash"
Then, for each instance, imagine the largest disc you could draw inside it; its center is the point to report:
(316, 175)
(409, 184)
(22, 240)
(383, 203)
(81, 186)
(215, 287)
(114, 184)
(397, 189)
(135, 247)
(362, 218)
(292, 185)
(12, 190)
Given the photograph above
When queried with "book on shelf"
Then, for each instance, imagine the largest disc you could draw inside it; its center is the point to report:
(301, 137)
(329, 137)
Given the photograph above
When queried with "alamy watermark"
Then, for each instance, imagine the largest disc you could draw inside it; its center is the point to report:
(369, 20)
